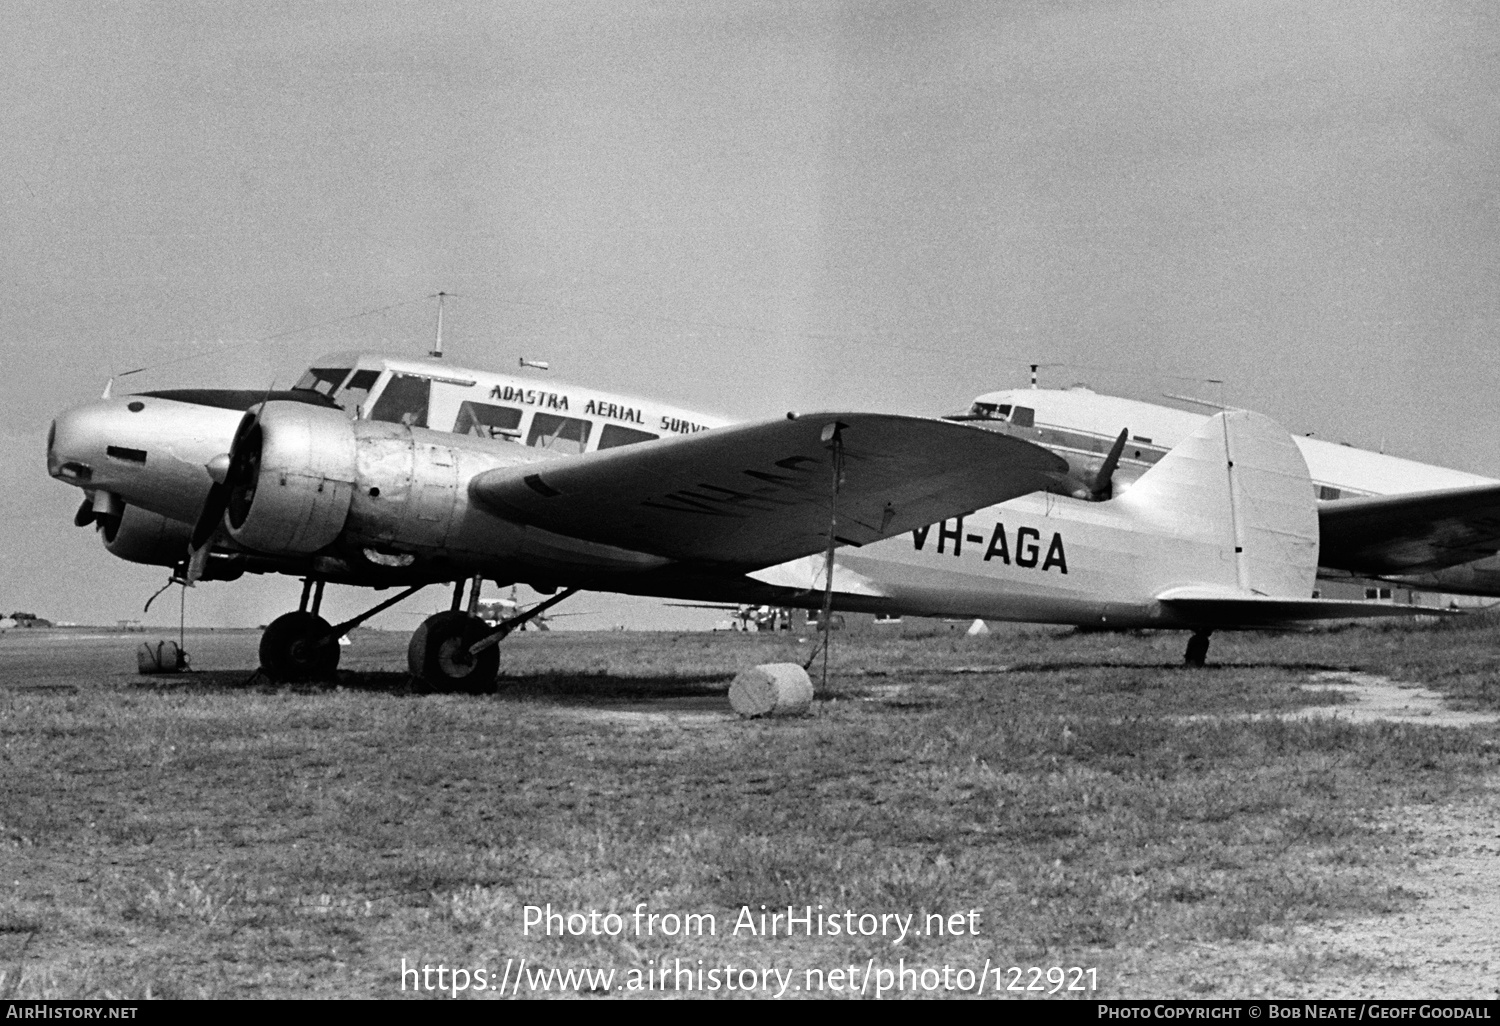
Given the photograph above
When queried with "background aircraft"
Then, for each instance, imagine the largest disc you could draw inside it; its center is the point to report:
(1413, 524)
(495, 611)
(747, 617)
(388, 473)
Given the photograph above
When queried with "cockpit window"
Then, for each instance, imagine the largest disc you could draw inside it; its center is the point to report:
(1024, 416)
(991, 411)
(485, 421)
(322, 380)
(356, 390)
(614, 435)
(559, 434)
(404, 401)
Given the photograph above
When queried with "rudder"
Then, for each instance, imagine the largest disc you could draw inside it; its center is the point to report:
(1238, 482)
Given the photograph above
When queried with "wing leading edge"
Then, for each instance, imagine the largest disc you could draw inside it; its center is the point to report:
(754, 495)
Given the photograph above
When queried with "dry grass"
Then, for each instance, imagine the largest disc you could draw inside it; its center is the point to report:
(199, 837)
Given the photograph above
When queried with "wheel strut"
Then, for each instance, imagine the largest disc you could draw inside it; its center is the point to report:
(504, 627)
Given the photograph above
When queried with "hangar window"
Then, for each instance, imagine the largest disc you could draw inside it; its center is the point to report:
(614, 435)
(559, 434)
(485, 421)
(322, 380)
(404, 401)
(1024, 416)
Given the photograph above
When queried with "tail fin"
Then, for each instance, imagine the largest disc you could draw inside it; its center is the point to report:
(1239, 483)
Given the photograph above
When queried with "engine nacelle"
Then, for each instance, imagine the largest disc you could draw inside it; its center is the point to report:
(291, 479)
(143, 537)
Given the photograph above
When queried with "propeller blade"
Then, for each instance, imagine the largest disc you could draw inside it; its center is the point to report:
(1100, 490)
(213, 511)
(222, 470)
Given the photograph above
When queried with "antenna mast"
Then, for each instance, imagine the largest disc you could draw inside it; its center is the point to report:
(437, 346)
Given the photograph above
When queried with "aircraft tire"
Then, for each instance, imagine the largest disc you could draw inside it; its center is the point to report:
(290, 652)
(438, 655)
(1197, 650)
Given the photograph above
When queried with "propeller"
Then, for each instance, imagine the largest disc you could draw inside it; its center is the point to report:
(103, 510)
(1101, 487)
(228, 472)
(1098, 486)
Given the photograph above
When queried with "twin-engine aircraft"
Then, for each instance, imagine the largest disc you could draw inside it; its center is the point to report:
(1412, 524)
(383, 472)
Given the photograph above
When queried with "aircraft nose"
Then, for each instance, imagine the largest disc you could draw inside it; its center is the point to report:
(68, 456)
(81, 438)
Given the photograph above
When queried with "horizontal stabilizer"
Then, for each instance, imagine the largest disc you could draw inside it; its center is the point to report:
(754, 495)
(1207, 608)
(1413, 533)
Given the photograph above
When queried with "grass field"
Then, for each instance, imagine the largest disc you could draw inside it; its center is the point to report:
(1095, 805)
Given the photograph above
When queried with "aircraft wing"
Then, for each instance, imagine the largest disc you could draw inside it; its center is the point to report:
(754, 495)
(1411, 533)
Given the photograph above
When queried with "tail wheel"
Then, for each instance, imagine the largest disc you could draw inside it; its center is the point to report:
(438, 655)
(297, 647)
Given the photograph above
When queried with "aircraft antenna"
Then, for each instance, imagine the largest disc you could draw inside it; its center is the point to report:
(437, 345)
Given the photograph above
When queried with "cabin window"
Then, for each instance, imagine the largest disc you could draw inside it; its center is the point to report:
(559, 434)
(1024, 416)
(614, 435)
(1328, 492)
(404, 401)
(322, 380)
(485, 421)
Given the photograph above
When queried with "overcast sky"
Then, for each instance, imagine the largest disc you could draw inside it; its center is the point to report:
(746, 208)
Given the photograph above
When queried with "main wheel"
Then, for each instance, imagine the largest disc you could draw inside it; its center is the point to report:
(296, 647)
(439, 657)
(1197, 650)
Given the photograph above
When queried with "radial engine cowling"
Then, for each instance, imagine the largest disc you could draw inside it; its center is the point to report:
(144, 537)
(290, 479)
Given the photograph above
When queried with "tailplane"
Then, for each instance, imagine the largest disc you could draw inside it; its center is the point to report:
(1239, 486)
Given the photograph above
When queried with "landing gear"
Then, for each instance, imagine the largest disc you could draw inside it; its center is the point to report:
(1197, 649)
(303, 646)
(456, 650)
(439, 656)
(298, 647)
